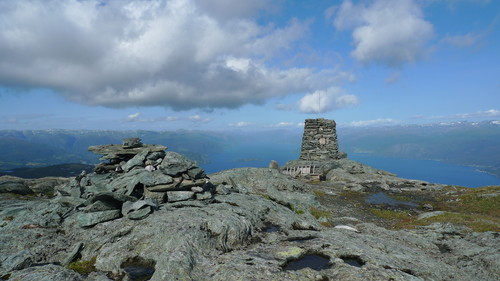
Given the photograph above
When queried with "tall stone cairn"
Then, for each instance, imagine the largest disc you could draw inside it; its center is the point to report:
(319, 141)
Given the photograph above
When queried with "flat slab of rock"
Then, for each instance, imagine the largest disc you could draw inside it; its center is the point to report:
(91, 219)
(112, 151)
(174, 196)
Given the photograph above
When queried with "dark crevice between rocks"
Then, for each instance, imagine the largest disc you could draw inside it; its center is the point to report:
(314, 261)
(138, 191)
(353, 260)
(443, 248)
(300, 239)
(408, 271)
(138, 268)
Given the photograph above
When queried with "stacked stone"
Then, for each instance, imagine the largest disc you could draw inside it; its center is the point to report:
(119, 157)
(319, 141)
(135, 179)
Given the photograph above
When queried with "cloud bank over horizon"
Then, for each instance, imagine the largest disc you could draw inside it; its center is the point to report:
(180, 54)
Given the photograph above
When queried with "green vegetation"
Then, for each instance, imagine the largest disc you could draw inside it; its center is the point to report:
(476, 208)
(318, 213)
(475, 222)
(320, 193)
(83, 267)
(397, 219)
(299, 211)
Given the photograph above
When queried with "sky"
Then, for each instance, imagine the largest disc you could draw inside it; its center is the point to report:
(246, 65)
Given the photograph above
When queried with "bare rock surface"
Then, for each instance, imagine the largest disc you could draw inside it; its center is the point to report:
(176, 223)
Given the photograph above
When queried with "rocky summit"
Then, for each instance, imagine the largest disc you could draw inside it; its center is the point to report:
(148, 214)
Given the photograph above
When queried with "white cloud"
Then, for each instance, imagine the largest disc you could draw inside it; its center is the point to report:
(198, 119)
(282, 124)
(466, 40)
(390, 32)
(136, 117)
(133, 117)
(180, 54)
(375, 122)
(324, 101)
(241, 124)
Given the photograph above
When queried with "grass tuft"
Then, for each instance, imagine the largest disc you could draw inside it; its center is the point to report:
(318, 213)
(83, 267)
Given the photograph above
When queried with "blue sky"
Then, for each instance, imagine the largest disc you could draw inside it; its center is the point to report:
(223, 64)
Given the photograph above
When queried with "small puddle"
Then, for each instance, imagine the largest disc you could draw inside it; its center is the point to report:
(353, 261)
(137, 273)
(382, 199)
(139, 269)
(272, 228)
(301, 240)
(315, 262)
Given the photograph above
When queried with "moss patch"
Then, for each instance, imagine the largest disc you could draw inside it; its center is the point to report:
(83, 267)
(320, 193)
(318, 213)
(475, 222)
(476, 208)
(291, 253)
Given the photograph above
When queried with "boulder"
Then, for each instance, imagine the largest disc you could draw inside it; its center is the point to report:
(130, 207)
(137, 160)
(153, 178)
(131, 143)
(274, 165)
(174, 164)
(140, 214)
(14, 185)
(196, 173)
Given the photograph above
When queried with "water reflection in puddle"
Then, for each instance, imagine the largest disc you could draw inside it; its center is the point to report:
(137, 273)
(382, 198)
(315, 262)
(139, 269)
(353, 261)
(272, 228)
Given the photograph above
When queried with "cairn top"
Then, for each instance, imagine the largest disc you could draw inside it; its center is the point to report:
(130, 147)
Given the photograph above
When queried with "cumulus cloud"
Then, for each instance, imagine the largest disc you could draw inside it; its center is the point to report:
(181, 54)
(389, 32)
(324, 101)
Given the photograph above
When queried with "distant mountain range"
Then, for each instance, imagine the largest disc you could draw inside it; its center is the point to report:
(463, 143)
(21, 149)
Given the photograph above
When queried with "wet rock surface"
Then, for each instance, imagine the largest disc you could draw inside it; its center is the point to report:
(172, 222)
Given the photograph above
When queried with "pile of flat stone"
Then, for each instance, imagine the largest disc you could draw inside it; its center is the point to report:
(133, 180)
